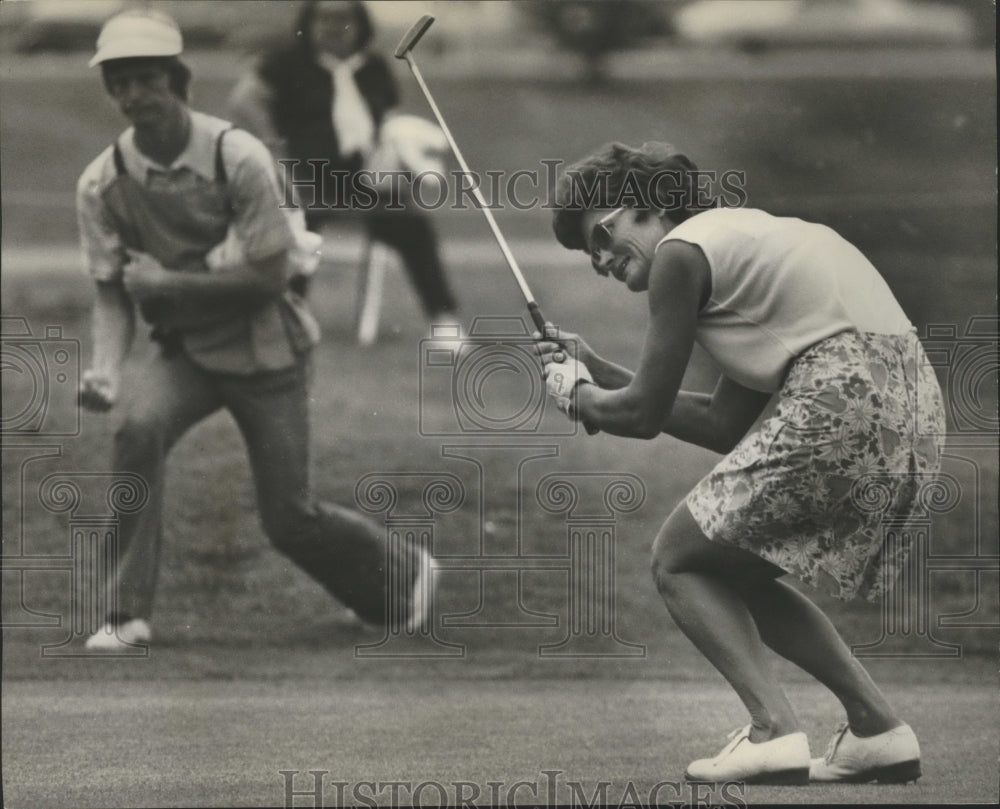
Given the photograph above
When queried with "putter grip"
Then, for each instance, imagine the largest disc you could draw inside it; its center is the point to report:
(412, 37)
(539, 320)
(536, 317)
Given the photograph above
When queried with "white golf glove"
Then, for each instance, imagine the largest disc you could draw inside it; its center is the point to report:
(561, 379)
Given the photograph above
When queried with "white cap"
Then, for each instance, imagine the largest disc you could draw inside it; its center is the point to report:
(139, 32)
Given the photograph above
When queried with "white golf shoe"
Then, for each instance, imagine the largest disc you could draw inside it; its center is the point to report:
(112, 638)
(784, 760)
(892, 757)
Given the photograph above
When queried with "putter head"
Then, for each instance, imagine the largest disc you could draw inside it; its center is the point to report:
(412, 37)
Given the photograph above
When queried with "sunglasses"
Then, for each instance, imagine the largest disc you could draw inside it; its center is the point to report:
(601, 238)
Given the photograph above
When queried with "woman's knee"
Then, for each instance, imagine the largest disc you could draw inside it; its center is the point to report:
(674, 549)
(682, 547)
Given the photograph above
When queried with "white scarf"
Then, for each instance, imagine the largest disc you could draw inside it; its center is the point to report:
(352, 120)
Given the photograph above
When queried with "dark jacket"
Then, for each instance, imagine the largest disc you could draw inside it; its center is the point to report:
(302, 103)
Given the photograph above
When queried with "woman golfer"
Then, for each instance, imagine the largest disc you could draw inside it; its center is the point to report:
(790, 310)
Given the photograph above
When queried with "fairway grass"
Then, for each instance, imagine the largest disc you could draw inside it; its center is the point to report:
(197, 743)
(221, 582)
(254, 669)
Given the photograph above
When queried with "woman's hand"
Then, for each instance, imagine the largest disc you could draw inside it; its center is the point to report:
(562, 378)
(562, 371)
(558, 345)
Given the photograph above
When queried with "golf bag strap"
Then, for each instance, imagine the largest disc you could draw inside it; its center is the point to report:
(221, 175)
(220, 164)
(119, 161)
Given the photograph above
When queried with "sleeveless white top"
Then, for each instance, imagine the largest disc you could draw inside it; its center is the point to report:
(779, 286)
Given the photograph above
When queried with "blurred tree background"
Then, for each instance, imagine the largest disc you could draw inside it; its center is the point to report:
(594, 30)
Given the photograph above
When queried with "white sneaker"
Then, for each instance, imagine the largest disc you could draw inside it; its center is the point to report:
(784, 760)
(112, 638)
(892, 757)
(420, 596)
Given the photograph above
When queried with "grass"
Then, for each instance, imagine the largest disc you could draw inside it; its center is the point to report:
(224, 744)
(217, 565)
(863, 155)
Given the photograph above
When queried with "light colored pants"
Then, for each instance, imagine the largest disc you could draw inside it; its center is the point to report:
(341, 549)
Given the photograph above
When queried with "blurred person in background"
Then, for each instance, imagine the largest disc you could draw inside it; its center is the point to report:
(327, 97)
(157, 212)
(786, 309)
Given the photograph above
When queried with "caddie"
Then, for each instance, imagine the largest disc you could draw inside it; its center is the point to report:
(151, 207)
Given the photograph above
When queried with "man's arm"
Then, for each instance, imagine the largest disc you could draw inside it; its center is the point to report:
(113, 313)
(246, 284)
(194, 298)
(113, 329)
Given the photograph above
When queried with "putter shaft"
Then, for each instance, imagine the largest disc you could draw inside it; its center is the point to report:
(403, 51)
(533, 309)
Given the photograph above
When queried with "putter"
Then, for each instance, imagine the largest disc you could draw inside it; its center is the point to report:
(404, 50)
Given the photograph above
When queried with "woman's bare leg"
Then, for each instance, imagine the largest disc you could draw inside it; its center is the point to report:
(798, 630)
(695, 577)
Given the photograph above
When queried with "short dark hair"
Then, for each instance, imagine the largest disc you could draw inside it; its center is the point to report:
(179, 75)
(307, 17)
(654, 176)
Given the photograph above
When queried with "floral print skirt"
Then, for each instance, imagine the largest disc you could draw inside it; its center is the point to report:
(856, 432)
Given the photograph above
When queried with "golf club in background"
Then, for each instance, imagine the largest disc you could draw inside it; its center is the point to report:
(404, 50)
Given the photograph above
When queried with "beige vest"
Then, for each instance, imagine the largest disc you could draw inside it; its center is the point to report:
(177, 224)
